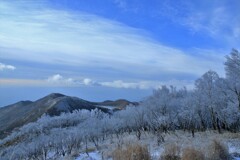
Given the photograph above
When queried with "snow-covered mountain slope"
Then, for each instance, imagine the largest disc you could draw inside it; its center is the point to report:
(20, 113)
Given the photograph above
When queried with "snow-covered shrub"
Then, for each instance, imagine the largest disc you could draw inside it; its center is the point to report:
(132, 152)
(171, 152)
(191, 153)
(217, 151)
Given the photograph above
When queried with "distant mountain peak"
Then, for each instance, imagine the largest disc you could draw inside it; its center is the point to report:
(25, 102)
(55, 95)
(53, 104)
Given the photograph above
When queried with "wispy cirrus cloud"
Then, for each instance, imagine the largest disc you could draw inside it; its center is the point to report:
(85, 40)
(6, 67)
(218, 19)
(219, 22)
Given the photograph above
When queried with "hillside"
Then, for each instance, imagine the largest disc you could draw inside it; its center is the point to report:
(120, 103)
(23, 112)
(168, 118)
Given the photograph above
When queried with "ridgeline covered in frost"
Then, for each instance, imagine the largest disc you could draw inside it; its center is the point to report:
(214, 104)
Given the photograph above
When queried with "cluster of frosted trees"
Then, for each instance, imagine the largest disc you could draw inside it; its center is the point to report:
(214, 104)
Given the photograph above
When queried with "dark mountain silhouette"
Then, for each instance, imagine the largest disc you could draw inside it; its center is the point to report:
(23, 112)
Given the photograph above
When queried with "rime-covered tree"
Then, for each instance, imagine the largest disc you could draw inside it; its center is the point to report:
(232, 68)
(206, 91)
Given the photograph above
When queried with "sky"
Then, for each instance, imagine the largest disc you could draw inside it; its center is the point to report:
(111, 49)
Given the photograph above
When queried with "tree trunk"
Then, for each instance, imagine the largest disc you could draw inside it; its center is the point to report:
(138, 134)
(218, 126)
(213, 119)
(193, 133)
(239, 102)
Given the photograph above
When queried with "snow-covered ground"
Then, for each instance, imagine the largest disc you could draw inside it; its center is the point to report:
(181, 138)
(97, 156)
(91, 156)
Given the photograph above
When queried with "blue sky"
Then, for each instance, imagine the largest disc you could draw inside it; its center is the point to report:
(111, 49)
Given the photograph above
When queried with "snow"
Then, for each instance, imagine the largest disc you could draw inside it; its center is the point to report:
(233, 148)
(63, 105)
(108, 107)
(50, 155)
(91, 156)
(156, 153)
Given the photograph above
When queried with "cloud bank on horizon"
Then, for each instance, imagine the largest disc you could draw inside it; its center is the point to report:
(115, 43)
(58, 80)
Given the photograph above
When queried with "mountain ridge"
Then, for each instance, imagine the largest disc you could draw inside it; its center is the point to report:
(23, 112)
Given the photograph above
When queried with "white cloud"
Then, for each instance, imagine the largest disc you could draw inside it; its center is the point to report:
(84, 40)
(120, 84)
(55, 78)
(59, 80)
(6, 67)
(87, 81)
(147, 84)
